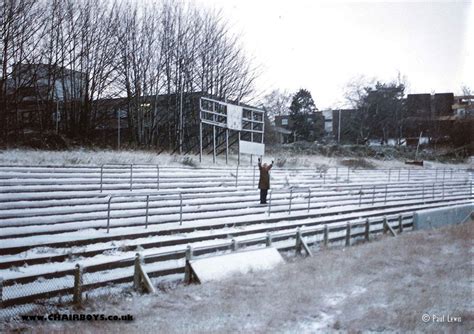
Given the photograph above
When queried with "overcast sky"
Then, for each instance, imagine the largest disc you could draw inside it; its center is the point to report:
(321, 45)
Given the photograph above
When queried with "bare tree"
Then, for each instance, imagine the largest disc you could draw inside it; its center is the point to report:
(20, 22)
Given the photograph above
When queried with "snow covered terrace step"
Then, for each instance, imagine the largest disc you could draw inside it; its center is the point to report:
(84, 237)
(165, 209)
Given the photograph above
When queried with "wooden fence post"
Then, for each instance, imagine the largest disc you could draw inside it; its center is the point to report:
(77, 296)
(136, 273)
(187, 268)
(348, 234)
(298, 241)
(367, 229)
(387, 227)
(268, 240)
(234, 245)
(400, 224)
(301, 244)
(326, 235)
(140, 277)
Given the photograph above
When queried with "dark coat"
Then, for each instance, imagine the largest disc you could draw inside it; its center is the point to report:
(264, 182)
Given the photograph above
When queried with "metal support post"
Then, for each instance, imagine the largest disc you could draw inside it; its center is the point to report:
(309, 198)
(157, 177)
(108, 213)
(236, 176)
(180, 209)
(226, 146)
(270, 203)
(200, 140)
(101, 177)
(214, 144)
(253, 179)
(291, 198)
(373, 195)
(146, 213)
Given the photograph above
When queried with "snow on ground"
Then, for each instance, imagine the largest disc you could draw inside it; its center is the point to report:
(386, 285)
(93, 157)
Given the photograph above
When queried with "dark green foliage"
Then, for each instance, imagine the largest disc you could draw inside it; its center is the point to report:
(379, 114)
(305, 121)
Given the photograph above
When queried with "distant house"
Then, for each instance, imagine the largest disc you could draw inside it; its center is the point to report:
(283, 134)
(463, 106)
(443, 118)
(315, 121)
(36, 94)
(48, 82)
(430, 114)
(328, 122)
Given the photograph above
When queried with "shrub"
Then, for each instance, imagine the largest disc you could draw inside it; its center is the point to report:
(281, 162)
(357, 163)
(188, 161)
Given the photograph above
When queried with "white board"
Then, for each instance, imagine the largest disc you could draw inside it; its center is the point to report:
(223, 266)
(249, 147)
(234, 117)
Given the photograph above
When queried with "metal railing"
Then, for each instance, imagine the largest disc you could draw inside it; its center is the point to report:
(393, 174)
(368, 195)
(147, 196)
(372, 192)
(131, 166)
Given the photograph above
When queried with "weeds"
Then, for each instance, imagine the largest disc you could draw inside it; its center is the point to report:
(188, 161)
(280, 162)
(357, 163)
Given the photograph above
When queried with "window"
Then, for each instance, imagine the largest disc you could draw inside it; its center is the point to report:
(284, 121)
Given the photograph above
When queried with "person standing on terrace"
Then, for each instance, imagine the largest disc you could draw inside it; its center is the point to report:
(264, 182)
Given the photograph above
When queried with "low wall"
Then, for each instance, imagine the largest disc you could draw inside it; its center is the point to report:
(432, 218)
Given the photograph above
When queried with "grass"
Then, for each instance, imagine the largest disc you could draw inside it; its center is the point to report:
(357, 163)
(282, 159)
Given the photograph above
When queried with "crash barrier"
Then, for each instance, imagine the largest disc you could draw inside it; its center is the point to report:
(433, 218)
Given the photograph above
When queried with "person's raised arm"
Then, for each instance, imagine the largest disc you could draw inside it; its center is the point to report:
(271, 165)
